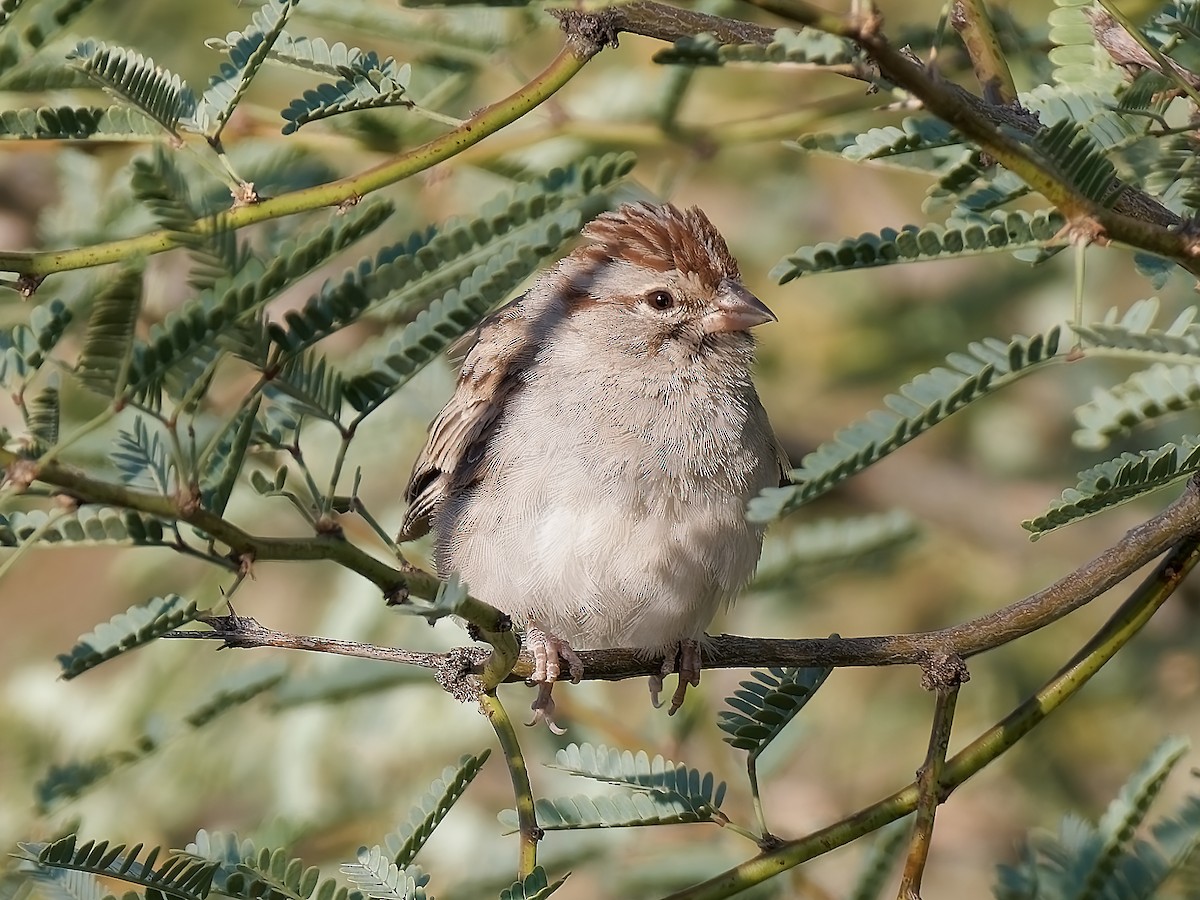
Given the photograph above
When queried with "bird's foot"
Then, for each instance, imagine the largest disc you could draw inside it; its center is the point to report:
(548, 654)
(688, 654)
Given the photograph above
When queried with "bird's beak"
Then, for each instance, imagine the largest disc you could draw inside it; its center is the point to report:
(736, 309)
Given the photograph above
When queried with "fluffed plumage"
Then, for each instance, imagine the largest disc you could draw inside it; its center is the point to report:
(590, 474)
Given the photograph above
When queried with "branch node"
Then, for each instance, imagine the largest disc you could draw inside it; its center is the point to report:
(397, 596)
(1084, 230)
(187, 501)
(235, 631)
(595, 29)
(329, 525)
(27, 285)
(456, 673)
(944, 672)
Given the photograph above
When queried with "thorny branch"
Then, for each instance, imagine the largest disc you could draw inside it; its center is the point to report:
(1121, 627)
(1139, 546)
(1002, 131)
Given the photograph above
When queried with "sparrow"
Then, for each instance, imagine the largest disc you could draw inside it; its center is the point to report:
(589, 476)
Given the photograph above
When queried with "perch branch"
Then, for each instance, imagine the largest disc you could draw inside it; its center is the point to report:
(1127, 621)
(1002, 131)
(1135, 218)
(1137, 547)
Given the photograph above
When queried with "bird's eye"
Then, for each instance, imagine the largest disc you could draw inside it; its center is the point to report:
(660, 300)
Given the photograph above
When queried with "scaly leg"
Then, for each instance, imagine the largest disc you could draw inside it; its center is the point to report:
(688, 653)
(547, 652)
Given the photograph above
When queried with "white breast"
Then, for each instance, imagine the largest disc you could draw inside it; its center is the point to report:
(615, 522)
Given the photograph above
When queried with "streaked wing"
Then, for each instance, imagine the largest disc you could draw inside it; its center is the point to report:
(461, 431)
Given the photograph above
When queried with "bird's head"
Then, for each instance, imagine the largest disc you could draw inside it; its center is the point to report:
(659, 281)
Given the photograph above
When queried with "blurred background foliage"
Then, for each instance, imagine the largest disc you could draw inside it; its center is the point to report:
(331, 753)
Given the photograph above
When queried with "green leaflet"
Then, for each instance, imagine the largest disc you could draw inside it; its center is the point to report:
(142, 458)
(190, 337)
(1106, 859)
(534, 220)
(42, 416)
(135, 79)
(248, 50)
(38, 24)
(1151, 393)
(1001, 232)
(428, 812)
(315, 55)
(178, 876)
(761, 708)
(23, 348)
(226, 459)
(1118, 481)
(7, 8)
(136, 627)
(162, 187)
(663, 791)
(536, 223)
(379, 878)
(1141, 398)
(249, 873)
(371, 90)
(1080, 160)
(536, 886)
(1077, 59)
(611, 811)
(921, 403)
(75, 123)
(89, 524)
(108, 343)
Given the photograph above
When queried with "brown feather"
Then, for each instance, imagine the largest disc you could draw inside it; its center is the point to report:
(661, 238)
(490, 372)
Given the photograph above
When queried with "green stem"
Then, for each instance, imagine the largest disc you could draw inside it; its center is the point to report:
(82, 431)
(359, 507)
(518, 771)
(388, 579)
(756, 797)
(973, 24)
(311, 483)
(1080, 275)
(738, 829)
(1127, 621)
(338, 462)
(249, 399)
(570, 60)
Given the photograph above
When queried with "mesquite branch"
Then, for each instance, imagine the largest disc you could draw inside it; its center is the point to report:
(1138, 546)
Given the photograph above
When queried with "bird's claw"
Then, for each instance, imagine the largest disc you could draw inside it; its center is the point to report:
(549, 652)
(543, 709)
(689, 674)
